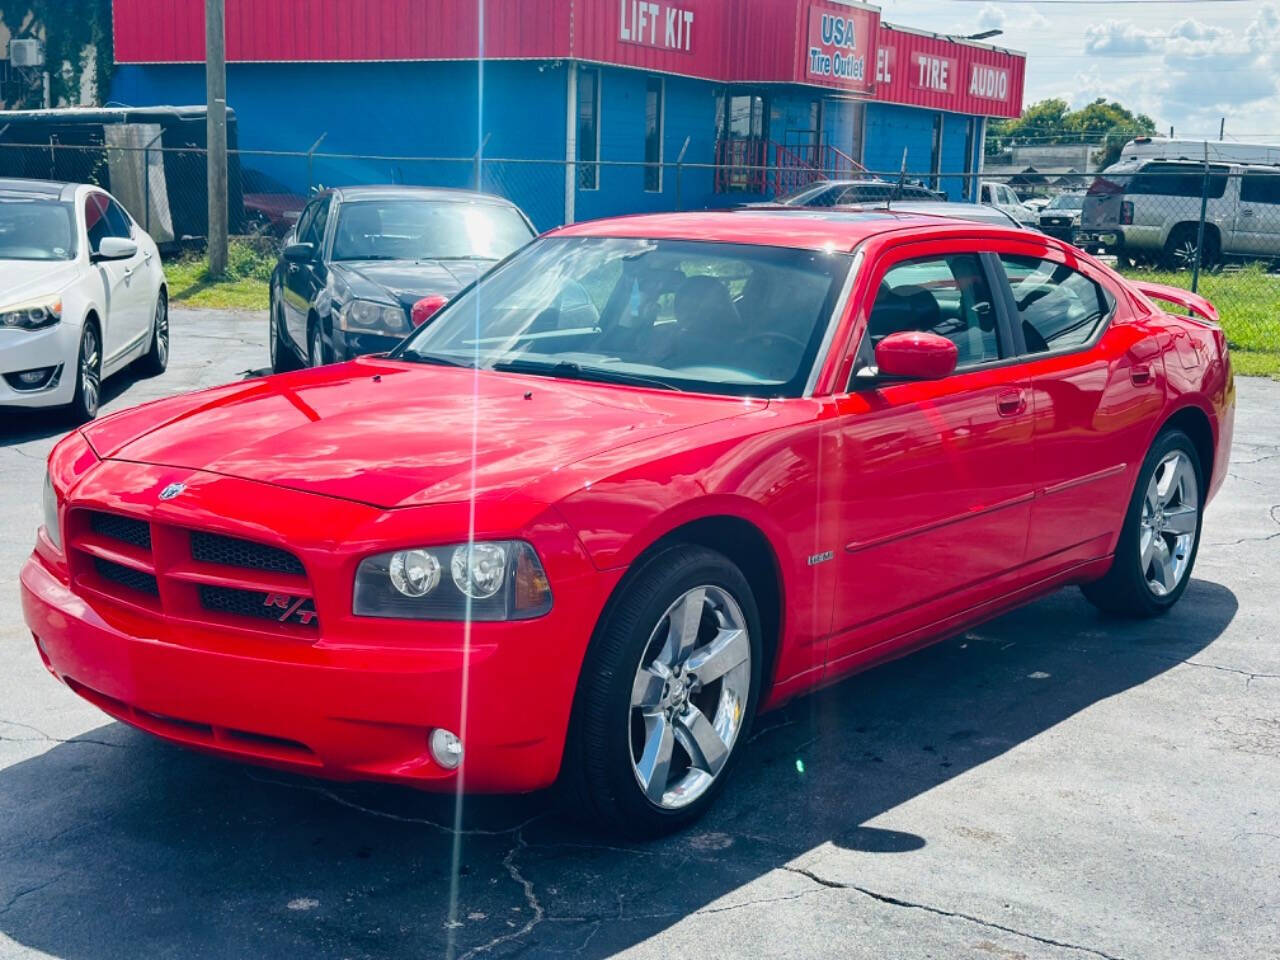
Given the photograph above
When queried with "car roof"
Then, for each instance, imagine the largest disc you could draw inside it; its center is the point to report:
(976, 212)
(394, 191)
(16, 188)
(798, 227)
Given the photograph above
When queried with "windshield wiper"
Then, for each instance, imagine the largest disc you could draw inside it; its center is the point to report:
(468, 256)
(413, 356)
(575, 371)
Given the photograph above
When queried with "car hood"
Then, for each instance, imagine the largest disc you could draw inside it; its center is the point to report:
(24, 279)
(408, 281)
(396, 434)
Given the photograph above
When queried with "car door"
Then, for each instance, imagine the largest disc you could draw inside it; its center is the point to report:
(1257, 230)
(304, 280)
(125, 294)
(1096, 385)
(933, 478)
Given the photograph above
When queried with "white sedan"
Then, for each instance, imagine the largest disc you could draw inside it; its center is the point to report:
(82, 295)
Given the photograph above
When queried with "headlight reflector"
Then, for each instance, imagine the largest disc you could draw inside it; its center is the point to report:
(479, 569)
(51, 513)
(490, 580)
(32, 315)
(370, 316)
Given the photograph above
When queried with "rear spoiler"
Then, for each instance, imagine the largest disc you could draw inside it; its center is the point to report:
(1183, 298)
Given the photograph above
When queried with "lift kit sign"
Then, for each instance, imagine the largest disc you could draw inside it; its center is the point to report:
(660, 25)
(838, 46)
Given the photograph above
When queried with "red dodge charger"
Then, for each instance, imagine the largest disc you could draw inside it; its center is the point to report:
(647, 478)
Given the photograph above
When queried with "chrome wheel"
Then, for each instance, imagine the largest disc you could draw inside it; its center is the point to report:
(1183, 254)
(1170, 519)
(273, 335)
(690, 692)
(162, 333)
(317, 348)
(90, 373)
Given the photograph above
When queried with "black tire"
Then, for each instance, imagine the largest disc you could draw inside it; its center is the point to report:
(88, 374)
(1179, 249)
(598, 781)
(283, 359)
(156, 360)
(1124, 591)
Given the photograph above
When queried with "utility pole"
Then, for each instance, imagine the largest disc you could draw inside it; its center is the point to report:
(215, 76)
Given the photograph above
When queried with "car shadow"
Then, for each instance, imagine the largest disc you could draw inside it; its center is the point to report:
(116, 845)
(22, 424)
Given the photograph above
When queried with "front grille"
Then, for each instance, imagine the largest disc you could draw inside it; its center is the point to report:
(124, 529)
(192, 576)
(282, 608)
(234, 552)
(126, 576)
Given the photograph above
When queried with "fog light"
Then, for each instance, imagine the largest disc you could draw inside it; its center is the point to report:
(446, 748)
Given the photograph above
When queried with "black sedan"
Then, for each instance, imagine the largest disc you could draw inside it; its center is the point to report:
(364, 265)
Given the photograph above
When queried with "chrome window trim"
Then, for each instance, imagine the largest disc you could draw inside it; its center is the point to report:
(838, 311)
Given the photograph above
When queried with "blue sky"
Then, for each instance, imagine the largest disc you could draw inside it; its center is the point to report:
(1184, 64)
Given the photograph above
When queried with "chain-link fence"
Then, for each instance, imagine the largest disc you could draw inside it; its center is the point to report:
(1210, 227)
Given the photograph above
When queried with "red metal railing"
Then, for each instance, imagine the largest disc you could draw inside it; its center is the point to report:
(755, 165)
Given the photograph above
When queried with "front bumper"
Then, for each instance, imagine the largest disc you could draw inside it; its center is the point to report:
(357, 702)
(55, 346)
(347, 346)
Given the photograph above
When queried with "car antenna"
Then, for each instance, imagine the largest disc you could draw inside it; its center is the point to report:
(896, 194)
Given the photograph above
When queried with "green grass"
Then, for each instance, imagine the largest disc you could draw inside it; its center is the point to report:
(1248, 301)
(242, 287)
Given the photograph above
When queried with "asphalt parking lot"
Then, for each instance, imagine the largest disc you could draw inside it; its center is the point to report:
(1051, 785)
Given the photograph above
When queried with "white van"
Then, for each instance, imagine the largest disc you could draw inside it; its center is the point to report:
(1219, 151)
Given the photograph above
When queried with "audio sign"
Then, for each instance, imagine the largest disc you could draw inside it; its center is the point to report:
(838, 47)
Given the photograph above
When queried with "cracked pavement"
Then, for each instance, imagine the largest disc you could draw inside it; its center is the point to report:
(1050, 785)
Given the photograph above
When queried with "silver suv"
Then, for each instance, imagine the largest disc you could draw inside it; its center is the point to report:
(1150, 210)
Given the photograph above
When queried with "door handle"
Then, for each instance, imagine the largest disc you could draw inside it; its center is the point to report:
(1011, 403)
(1140, 374)
(1246, 212)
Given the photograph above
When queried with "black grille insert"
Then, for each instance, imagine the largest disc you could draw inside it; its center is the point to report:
(277, 607)
(125, 529)
(126, 576)
(234, 552)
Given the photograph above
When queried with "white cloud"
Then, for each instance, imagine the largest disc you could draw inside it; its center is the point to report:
(1121, 38)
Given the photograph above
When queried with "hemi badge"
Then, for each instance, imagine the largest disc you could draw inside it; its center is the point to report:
(823, 557)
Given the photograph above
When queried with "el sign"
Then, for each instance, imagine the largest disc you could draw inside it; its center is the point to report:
(652, 24)
(837, 48)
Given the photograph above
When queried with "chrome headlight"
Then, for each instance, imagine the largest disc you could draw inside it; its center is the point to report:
(51, 527)
(370, 316)
(491, 580)
(33, 314)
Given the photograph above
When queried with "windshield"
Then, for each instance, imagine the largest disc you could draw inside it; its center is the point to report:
(37, 230)
(414, 229)
(1065, 202)
(676, 314)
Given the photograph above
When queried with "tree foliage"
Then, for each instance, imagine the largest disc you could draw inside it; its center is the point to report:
(1108, 124)
(68, 28)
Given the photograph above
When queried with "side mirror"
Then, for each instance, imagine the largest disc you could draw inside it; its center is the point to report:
(114, 248)
(426, 308)
(300, 252)
(913, 355)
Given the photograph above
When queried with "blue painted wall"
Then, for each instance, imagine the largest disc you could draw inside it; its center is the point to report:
(388, 110)
(434, 114)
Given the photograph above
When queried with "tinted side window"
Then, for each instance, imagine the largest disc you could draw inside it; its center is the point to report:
(118, 221)
(1178, 180)
(96, 222)
(319, 223)
(1260, 188)
(1059, 308)
(948, 296)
